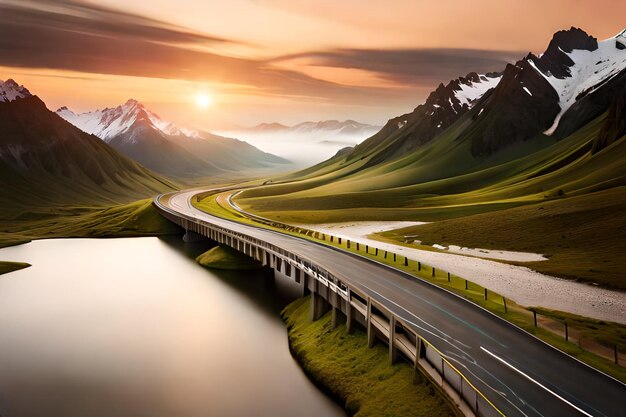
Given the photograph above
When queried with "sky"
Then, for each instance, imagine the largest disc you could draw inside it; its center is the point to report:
(273, 60)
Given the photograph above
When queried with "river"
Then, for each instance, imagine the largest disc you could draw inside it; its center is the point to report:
(134, 327)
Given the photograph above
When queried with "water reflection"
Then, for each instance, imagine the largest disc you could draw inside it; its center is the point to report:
(134, 327)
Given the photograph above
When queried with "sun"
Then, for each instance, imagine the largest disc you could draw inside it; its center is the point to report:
(203, 100)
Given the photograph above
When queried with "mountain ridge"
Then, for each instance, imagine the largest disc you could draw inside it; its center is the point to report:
(45, 160)
(160, 145)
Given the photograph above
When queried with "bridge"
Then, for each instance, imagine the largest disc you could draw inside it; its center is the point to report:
(484, 365)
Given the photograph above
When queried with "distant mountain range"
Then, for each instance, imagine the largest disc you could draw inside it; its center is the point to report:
(143, 136)
(326, 128)
(306, 143)
(45, 160)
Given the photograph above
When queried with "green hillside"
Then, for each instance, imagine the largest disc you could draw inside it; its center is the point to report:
(564, 198)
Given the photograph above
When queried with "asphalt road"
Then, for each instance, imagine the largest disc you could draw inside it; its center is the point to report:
(520, 374)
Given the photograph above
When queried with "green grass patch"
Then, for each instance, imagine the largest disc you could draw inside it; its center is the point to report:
(359, 377)
(582, 236)
(224, 257)
(6, 266)
(139, 218)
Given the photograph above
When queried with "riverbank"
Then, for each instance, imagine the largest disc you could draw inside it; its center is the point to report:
(224, 257)
(358, 377)
(6, 266)
(134, 219)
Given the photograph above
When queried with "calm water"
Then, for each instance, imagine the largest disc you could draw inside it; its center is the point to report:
(134, 327)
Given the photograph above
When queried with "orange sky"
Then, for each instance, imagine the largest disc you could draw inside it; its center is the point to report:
(273, 60)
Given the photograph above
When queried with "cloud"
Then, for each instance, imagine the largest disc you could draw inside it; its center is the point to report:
(415, 67)
(73, 35)
(84, 37)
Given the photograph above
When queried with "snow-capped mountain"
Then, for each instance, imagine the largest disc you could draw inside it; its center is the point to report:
(584, 66)
(46, 160)
(109, 123)
(444, 106)
(160, 145)
(575, 80)
(326, 128)
(10, 90)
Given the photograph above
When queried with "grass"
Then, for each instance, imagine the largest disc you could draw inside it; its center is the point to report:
(582, 236)
(555, 198)
(356, 375)
(224, 257)
(6, 267)
(610, 334)
(134, 219)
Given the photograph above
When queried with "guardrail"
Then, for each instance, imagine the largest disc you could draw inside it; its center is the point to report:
(415, 348)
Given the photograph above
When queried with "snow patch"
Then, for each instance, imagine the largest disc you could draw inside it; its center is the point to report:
(111, 122)
(591, 69)
(10, 90)
(470, 93)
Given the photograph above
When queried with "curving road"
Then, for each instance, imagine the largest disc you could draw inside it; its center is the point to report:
(520, 374)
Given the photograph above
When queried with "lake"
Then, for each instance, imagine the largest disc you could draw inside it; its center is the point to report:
(134, 327)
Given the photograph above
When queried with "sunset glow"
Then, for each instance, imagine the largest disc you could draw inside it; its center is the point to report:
(274, 60)
(203, 100)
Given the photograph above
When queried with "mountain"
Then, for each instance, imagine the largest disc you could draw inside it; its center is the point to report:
(143, 136)
(10, 90)
(325, 128)
(535, 161)
(547, 126)
(45, 160)
(306, 143)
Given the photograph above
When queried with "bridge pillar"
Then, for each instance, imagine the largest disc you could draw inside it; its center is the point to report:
(319, 306)
(192, 237)
(370, 327)
(393, 353)
(335, 310)
(418, 377)
(349, 317)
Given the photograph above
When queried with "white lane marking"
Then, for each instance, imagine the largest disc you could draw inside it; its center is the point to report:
(536, 382)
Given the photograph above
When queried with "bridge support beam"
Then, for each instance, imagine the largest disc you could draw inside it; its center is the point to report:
(335, 309)
(371, 333)
(418, 376)
(393, 352)
(349, 317)
(319, 306)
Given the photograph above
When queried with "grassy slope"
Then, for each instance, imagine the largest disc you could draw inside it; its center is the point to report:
(583, 236)
(134, 219)
(223, 257)
(6, 267)
(582, 227)
(360, 377)
(442, 180)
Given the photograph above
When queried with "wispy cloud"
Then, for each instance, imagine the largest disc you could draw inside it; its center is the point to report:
(411, 66)
(83, 37)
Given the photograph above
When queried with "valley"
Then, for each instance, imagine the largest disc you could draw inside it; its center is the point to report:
(465, 257)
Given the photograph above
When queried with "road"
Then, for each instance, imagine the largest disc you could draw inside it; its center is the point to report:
(520, 374)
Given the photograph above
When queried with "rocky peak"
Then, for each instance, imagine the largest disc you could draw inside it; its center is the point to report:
(10, 90)
(554, 60)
